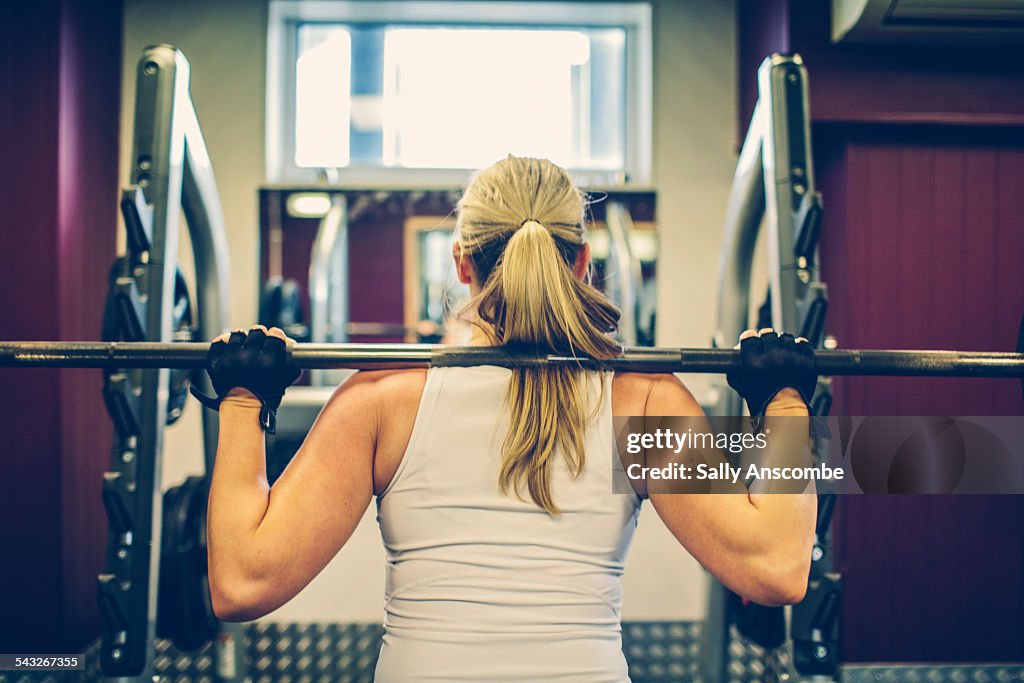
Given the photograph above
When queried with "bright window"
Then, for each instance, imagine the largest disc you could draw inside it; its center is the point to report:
(386, 90)
(525, 92)
(323, 100)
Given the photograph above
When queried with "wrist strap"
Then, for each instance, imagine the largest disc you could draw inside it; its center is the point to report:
(268, 419)
(268, 415)
(757, 420)
(211, 402)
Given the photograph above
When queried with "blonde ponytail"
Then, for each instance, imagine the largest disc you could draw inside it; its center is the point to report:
(521, 221)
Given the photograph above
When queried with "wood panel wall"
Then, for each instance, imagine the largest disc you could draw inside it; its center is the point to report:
(60, 65)
(921, 246)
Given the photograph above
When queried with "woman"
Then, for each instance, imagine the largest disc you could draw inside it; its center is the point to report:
(504, 540)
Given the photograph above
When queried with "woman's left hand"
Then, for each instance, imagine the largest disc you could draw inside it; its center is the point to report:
(769, 363)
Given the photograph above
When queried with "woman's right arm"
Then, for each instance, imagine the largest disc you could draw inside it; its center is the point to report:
(758, 545)
(266, 543)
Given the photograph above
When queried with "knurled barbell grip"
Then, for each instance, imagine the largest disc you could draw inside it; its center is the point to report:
(381, 356)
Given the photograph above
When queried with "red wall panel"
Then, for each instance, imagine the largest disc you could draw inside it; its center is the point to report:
(922, 253)
(60, 63)
(29, 487)
(87, 195)
(921, 246)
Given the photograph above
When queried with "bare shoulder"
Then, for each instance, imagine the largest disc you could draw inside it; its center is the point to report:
(638, 393)
(385, 384)
(371, 394)
(389, 379)
(391, 399)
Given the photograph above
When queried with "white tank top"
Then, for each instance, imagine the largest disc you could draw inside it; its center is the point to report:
(482, 586)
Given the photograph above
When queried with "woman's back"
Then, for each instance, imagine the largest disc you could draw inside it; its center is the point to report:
(485, 586)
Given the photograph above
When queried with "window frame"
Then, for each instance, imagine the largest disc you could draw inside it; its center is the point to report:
(285, 16)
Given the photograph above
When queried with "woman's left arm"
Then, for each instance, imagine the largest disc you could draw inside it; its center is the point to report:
(266, 543)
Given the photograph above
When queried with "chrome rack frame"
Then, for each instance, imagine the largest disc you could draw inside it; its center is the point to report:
(774, 181)
(171, 175)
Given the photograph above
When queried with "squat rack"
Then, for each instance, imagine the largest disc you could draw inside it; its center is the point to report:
(774, 181)
(171, 175)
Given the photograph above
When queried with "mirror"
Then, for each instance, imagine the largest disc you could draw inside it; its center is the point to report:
(374, 265)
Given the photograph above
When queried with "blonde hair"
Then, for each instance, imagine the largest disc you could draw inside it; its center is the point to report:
(521, 223)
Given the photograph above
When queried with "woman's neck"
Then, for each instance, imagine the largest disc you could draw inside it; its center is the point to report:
(467, 331)
(478, 337)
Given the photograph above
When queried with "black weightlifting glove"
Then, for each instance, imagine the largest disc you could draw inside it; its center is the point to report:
(770, 363)
(252, 361)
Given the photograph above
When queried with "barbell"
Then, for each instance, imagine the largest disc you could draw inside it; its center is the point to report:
(126, 355)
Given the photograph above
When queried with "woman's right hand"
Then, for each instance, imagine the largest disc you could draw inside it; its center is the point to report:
(255, 360)
(770, 363)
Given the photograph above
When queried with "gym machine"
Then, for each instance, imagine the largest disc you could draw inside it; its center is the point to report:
(328, 285)
(154, 582)
(626, 288)
(774, 182)
(149, 361)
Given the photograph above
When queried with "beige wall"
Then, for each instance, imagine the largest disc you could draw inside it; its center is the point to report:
(694, 142)
(225, 42)
(694, 139)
